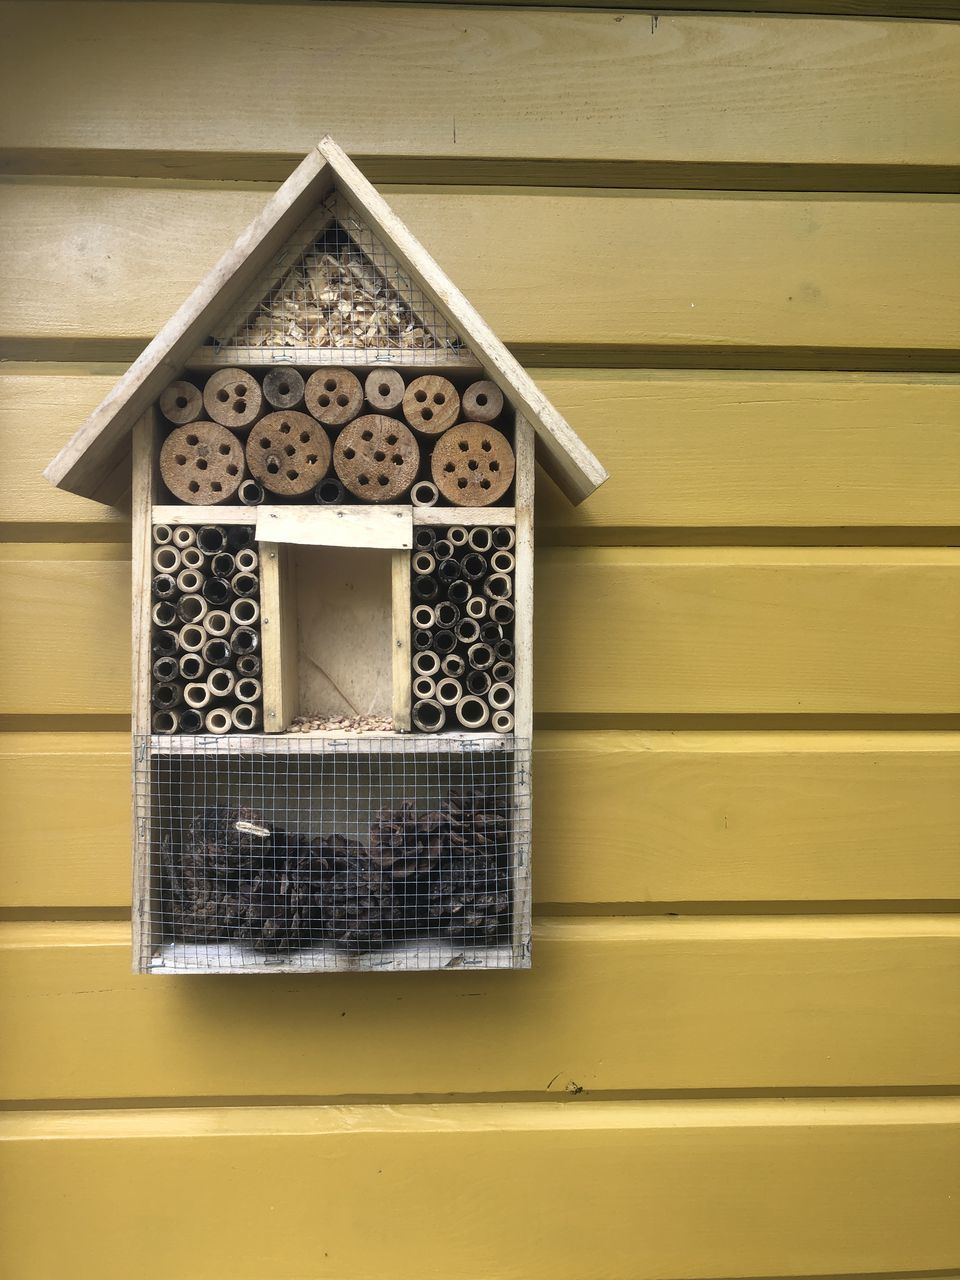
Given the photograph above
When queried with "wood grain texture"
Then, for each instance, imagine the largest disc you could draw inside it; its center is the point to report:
(685, 450)
(735, 1003)
(653, 1189)
(656, 631)
(666, 817)
(544, 84)
(715, 272)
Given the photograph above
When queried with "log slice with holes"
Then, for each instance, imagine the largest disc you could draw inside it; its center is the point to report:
(202, 463)
(384, 390)
(283, 388)
(377, 458)
(233, 398)
(181, 403)
(333, 396)
(473, 464)
(288, 453)
(482, 402)
(431, 404)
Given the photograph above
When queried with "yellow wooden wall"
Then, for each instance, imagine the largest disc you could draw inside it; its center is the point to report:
(729, 247)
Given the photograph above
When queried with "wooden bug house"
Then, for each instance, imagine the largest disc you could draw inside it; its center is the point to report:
(333, 481)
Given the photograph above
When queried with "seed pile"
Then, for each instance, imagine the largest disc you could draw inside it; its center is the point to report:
(445, 873)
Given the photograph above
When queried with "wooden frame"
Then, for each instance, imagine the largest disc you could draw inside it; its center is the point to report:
(144, 483)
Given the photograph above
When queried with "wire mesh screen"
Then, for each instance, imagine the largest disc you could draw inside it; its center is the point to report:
(323, 853)
(341, 290)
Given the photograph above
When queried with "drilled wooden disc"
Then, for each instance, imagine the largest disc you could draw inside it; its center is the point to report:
(288, 452)
(472, 464)
(181, 402)
(431, 404)
(482, 402)
(202, 463)
(333, 396)
(233, 398)
(384, 389)
(377, 458)
(283, 388)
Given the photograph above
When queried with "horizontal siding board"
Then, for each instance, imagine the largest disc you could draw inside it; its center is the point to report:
(619, 631)
(698, 1004)
(540, 83)
(711, 272)
(631, 1191)
(685, 450)
(618, 818)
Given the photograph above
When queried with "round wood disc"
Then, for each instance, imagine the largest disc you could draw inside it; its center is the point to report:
(283, 388)
(384, 390)
(472, 464)
(288, 453)
(233, 398)
(333, 396)
(482, 402)
(377, 458)
(202, 463)
(431, 404)
(181, 402)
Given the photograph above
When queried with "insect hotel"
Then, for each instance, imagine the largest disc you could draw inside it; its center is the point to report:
(332, 503)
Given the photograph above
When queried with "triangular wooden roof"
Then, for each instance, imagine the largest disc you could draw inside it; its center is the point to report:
(91, 458)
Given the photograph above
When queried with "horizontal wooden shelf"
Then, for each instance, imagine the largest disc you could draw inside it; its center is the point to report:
(176, 959)
(182, 513)
(316, 743)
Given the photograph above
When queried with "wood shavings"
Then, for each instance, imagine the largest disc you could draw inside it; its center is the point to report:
(342, 724)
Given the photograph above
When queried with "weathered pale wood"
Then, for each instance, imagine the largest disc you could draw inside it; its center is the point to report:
(667, 817)
(730, 270)
(145, 434)
(278, 636)
(95, 447)
(523, 686)
(183, 513)
(721, 630)
(631, 1004)
(400, 611)
(616, 87)
(336, 526)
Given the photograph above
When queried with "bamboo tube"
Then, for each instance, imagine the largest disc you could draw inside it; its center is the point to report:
(468, 630)
(218, 623)
(457, 535)
(166, 696)
(165, 669)
(449, 691)
(244, 640)
(491, 632)
(502, 721)
(498, 586)
(443, 548)
(164, 587)
(190, 580)
(164, 643)
(192, 608)
(480, 538)
(447, 614)
(426, 663)
(503, 672)
(240, 536)
(453, 665)
(502, 611)
(233, 398)
(424, 494)
(216, 652)
(245, 612)
(162, 533)
(217, 721)
(500, 696)
(220, 682)
(248, 665)
(421, 639)
(250, 493)
(425, 588)
(216, 591)
(165, 722)
(245, 584)
(248, 689)
(384, 390)
(192, 558)
(503, 537)
(476, 607)
(424, 687)
(192, 666)
(333, 396)
(180, 403)
(431, 404)
(480, 656)
(196, 695)
(211, 538)
(423, 562)
(184, 536)
(503, 650)
(245, 717)
(166, 559)
(247, 560)
(423, 616)
(448, 571)
(192, 638)
(424, 537)
(283, 388)
(329, 492)
(444, 641)
(164, 614)
(482, 402)
(223, 565)
(191, 721)
(459, 592)
(472, 712)
(503, 561)
(474, 566)
(478, 683)
(428, 715)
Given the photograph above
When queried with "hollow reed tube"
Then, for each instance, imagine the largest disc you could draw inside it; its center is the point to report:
(480, 656)
(191, 721)
(480, 538)
(491, 632)
(476, 607)
(164, 586)
(248, 665)
(211, 538)
(477, 682)
(425, 588)
(217, 623)
(165, 642)
(474, 566)
(245, 717)
(192, 666)
(244, 640)
(426, 663)
(247, 560)
(428, 715)
(217, 721)
(164, 613)
(500, 696)
(444, 641)
(502, 721)
(216, 591)
(165, 696)
(191, 558)
(424, 537)
(472, 712)
(449, 691)
(424, 494)
(184, 536)
(166, 669)
(447, 614)
(502, 611)
(162, 533)
(468, 630)
(223, 565)
(248, 689)
(503, 537)
(424, 687)
(192, 608)
(424, 616)
(422, 640)
(192, 638)
(250, 493)
(329, 492)
(165, 722)
(458, 535)
(166, 559)
(448, 571)
(196, 695)
(245, 611)
(190, 581)
(459, 591)
(220, 682)
(453, 665)
(216, 652)
(245, 584)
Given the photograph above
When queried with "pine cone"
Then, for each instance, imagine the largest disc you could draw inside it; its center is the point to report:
(203, 875)
(355, 898)
(276, 897)
(470, 888)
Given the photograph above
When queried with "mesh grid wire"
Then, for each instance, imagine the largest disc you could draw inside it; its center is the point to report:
(312, 854)
(345, 292)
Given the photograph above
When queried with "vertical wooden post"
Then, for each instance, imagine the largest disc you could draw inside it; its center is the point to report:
(143, 497)
(523, 690)
(402, 674)
(278, 636)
